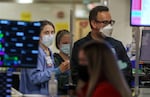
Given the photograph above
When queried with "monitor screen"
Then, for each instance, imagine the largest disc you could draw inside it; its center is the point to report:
(145, 47)
(5, 84)
(19, 43)
(140, 13)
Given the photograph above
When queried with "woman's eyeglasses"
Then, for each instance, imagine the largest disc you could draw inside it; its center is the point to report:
(112, 22)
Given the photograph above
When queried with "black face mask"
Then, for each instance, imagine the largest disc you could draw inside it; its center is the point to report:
(83, 73)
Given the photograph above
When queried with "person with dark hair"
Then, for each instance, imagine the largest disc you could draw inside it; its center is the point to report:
(63, 45)
(101, 29)
(105, 80)
(35, 80)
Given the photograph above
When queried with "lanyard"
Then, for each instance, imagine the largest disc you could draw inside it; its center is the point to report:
(48, 59)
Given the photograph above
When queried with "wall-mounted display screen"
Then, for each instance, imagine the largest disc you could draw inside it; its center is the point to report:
(140, 13)
(19, 43)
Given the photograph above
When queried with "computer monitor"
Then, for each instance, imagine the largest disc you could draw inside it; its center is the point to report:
(5, 84)
(140, 13)
(19, 43)
(145, 47)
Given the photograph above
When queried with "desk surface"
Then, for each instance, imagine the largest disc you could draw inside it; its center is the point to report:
(16, 93)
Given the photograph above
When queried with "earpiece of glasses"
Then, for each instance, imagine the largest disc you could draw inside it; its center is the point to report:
(112, 22)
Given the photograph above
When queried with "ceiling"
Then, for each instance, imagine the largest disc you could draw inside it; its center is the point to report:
(55, 1)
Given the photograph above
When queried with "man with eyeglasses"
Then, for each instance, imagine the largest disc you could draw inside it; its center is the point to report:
(101, 29)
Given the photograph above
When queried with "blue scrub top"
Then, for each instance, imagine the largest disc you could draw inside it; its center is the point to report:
(35, 80)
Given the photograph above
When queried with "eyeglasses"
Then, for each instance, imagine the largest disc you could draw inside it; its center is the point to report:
(112, 22)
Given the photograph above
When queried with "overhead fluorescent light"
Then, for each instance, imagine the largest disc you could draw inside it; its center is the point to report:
(90, 6)
(81, 11)
(105, 2)
(24, 1)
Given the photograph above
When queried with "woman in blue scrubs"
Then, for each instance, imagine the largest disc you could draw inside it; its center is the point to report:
(35, 80)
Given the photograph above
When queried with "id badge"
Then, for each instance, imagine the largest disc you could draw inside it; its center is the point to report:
(49, 61)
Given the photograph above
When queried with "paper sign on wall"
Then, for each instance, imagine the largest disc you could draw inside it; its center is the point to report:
(60, 26)
(26, 16)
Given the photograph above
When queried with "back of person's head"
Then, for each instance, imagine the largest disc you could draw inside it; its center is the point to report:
(102, 65)
(59, 35)
(93, 13)
(97, 53)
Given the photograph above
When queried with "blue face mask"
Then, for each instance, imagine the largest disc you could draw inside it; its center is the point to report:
(47, 40)
(65, 48)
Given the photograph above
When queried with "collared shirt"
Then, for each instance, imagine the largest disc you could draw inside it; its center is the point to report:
(35, 80)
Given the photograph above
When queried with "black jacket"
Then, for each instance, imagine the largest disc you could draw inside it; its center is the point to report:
(63, 77)
(80, 73)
